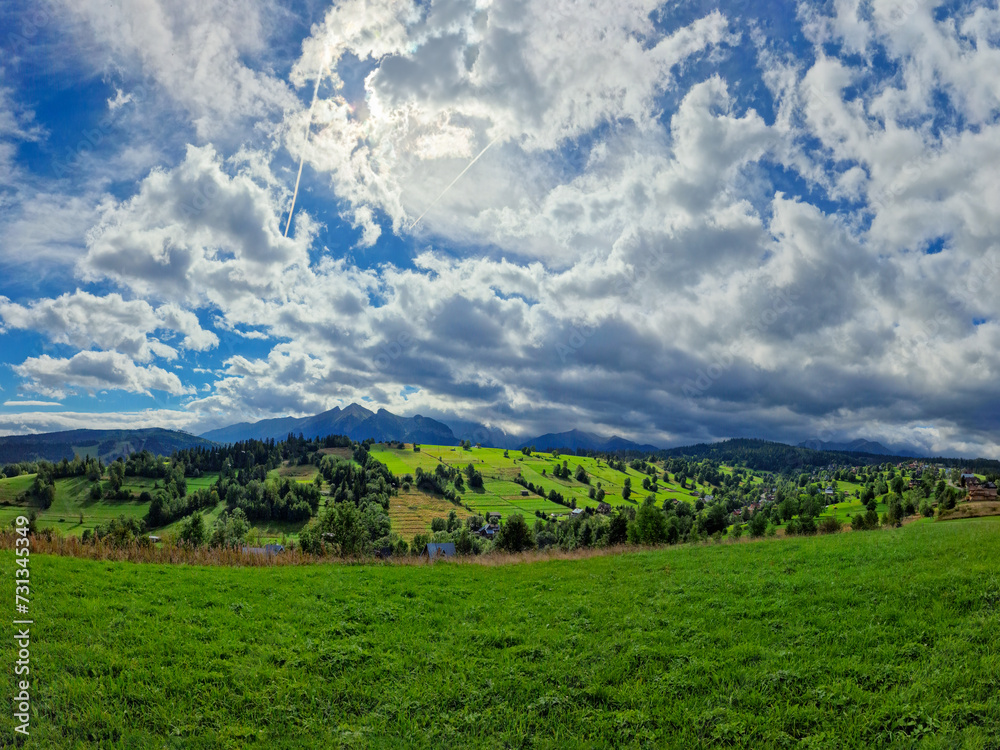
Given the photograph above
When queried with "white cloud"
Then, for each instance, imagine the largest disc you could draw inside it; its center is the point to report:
(31, 403)
(109, 322)
(95, 371)
(527, 75)
(120, 100)
(194, 234)
(197, 53)
(26, 423)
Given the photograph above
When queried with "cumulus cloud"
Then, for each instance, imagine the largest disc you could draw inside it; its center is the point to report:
(83, 320)
(455, 77)
(96, 371)
(195, 234)
(197, 53)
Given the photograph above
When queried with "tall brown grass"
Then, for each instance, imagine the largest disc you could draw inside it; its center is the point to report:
(175, 554)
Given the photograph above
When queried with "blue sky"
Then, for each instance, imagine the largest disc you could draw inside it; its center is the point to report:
(684, 222)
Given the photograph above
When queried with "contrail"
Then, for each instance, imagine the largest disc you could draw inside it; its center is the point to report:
(298, 178)
(452, 183)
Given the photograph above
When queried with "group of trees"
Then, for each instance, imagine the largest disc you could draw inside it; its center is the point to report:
(356, 520)
(92, 468)
(118, 532)
(230, 530)
(269, 499)
(166, 505)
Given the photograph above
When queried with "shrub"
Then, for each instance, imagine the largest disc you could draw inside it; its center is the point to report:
(515, 535)
(193, 530)
(829, 525)
(649, 527)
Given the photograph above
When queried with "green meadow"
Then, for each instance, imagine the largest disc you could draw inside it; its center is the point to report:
(882, 639)
(73, 501)
(500, 494)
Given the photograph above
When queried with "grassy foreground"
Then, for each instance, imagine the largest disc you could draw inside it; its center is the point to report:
(853, 640)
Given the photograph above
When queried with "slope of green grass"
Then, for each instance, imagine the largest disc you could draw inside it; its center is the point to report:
(881, 639)
(12, 487)
(73, 499)
(502, 495)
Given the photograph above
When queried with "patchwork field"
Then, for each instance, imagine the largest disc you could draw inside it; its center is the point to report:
(412, 512)
(876, 640)
(501, 494)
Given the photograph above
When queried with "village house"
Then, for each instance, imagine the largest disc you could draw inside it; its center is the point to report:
(604, 508)
(982, 491)
(433, 550)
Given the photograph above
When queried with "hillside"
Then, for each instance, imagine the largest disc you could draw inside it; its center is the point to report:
(802, 642)
(501, 494)
(104, 444)
(765, 455)
(579, 440)
(355, 421)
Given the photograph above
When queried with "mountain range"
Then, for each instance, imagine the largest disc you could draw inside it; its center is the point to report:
(104, 444)
(355, 421)
(577, 439)
(359, 423)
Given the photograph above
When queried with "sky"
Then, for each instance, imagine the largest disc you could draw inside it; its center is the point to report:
(672, 222)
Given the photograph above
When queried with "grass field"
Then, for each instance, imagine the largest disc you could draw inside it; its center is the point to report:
(73, 499)
(11, 487)
(879, 639)
(304, 473)
(501, 495)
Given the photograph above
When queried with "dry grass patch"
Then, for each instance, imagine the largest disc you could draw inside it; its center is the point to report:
(972, 510)
(412, 511)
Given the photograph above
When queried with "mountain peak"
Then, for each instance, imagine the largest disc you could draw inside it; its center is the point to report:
(354, 421)
(357, 410)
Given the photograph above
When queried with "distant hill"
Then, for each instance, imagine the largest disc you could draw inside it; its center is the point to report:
(355, 421)
(765, 455)
(856, 446)
(104, 444)
(577, 439)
